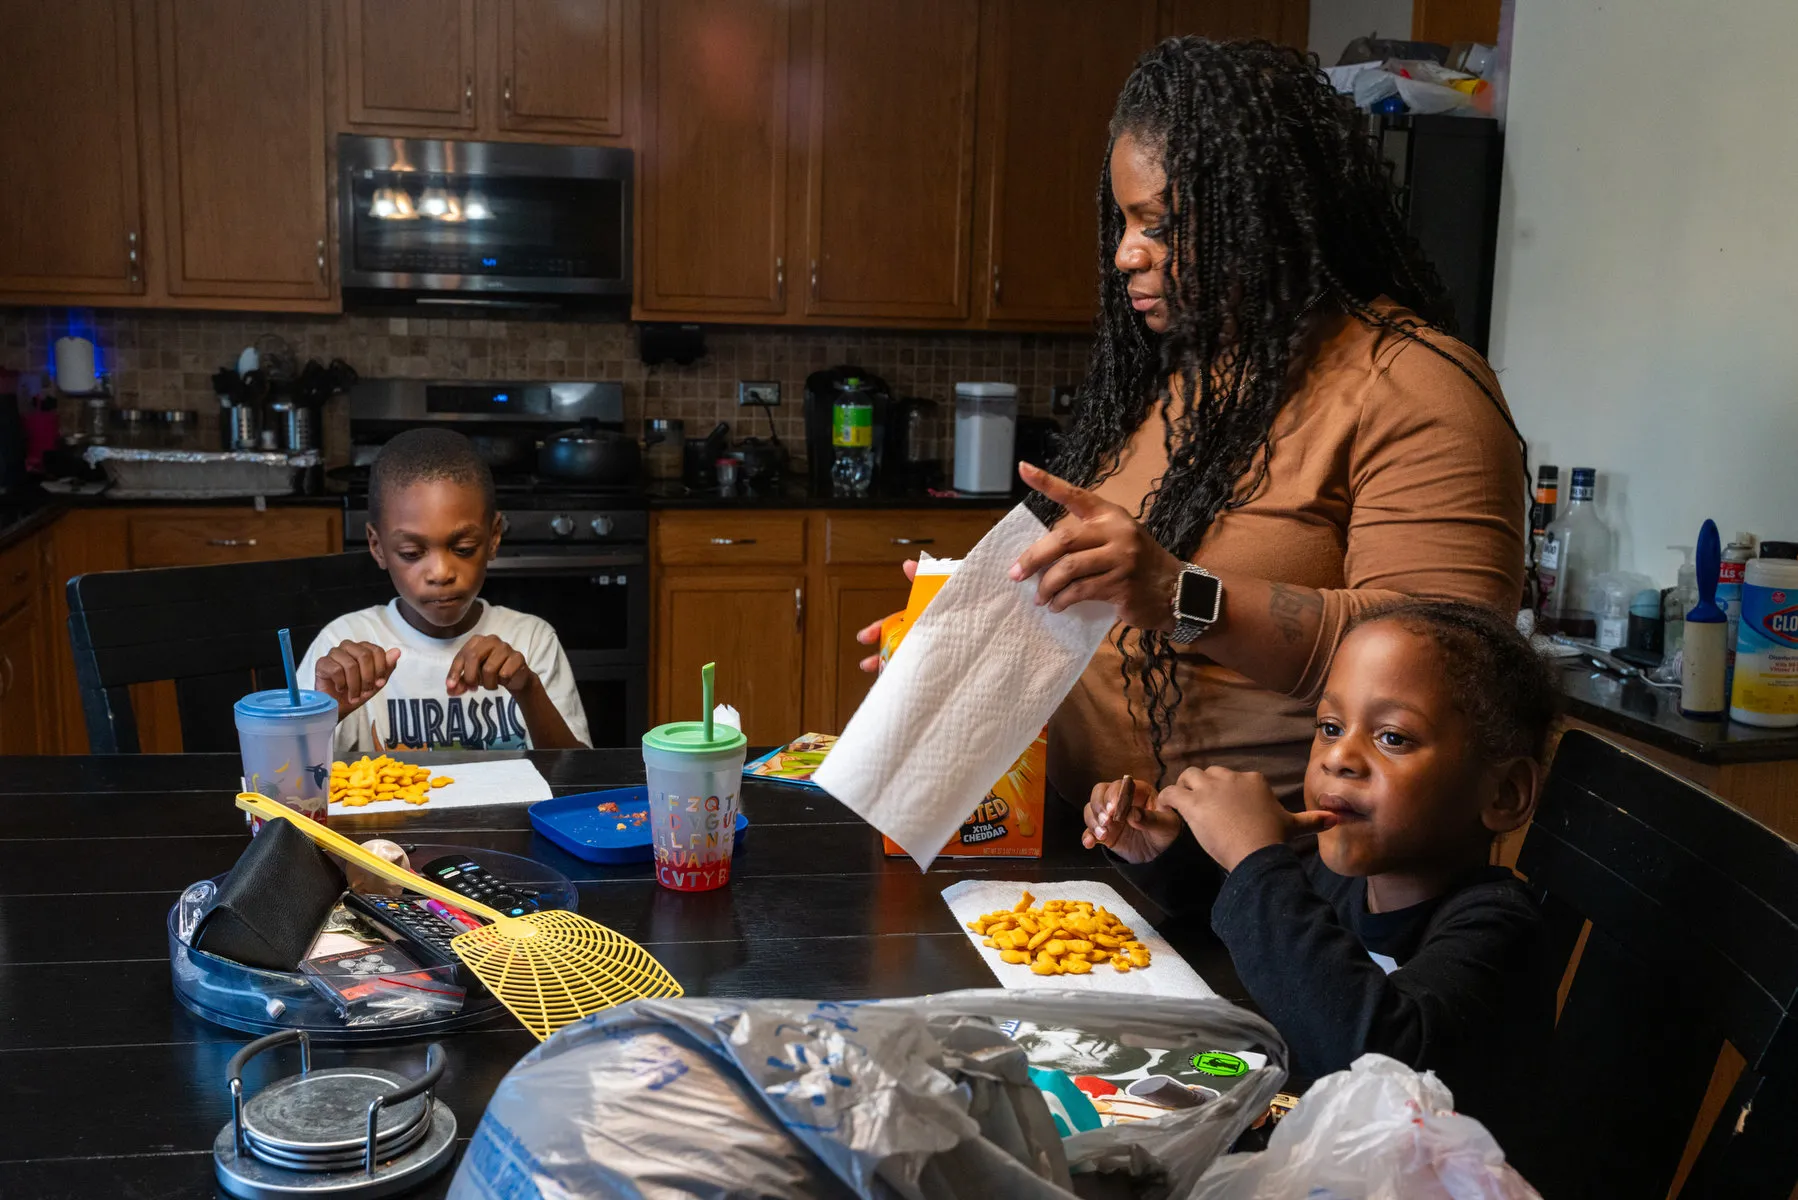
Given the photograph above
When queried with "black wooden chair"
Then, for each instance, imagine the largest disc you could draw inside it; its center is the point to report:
(1688, 911)
(209, 629)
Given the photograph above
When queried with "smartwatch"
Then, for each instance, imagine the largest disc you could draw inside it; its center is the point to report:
(1198, 602)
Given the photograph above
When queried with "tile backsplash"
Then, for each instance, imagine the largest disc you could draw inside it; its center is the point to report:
(159, 360)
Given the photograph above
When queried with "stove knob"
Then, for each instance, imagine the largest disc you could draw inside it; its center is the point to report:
(561, 525)
(602, 526)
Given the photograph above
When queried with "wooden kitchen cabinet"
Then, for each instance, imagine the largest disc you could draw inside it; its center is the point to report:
(713, 157)
(890, 158)
(86, 540)
(193, 538)
(1451, 21)
(25, 717)
(1284, 21)
(752, 626)
(71, 222)
(775, 598)
(1051, 71)
(410, 62)
(243, 148)
(856, 576)
(561, 65)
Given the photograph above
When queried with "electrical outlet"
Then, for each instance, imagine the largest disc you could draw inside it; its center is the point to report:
(1061, 399)
(752, 392)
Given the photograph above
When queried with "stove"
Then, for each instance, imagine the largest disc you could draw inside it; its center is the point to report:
(573, 553)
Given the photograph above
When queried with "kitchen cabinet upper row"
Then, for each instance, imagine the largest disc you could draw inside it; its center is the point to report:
(926, 163)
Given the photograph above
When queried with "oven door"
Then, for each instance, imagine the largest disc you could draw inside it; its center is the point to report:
(597, 603)
(616, 701)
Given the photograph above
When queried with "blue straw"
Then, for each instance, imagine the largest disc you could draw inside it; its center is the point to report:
(293, 679)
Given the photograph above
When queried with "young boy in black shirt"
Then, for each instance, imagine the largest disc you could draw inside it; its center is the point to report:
(1393, 933)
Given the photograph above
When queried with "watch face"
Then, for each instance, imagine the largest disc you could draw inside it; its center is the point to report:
(1200, 597)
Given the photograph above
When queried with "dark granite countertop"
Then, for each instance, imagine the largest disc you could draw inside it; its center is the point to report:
(796, 492)
(1650, 714)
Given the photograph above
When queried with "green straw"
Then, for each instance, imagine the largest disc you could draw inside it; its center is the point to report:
(706, 675)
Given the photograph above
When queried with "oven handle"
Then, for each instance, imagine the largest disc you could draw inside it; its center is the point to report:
(518, 564)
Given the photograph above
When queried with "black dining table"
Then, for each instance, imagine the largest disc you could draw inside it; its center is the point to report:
(110, 1088)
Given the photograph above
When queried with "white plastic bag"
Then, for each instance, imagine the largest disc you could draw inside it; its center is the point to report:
(1377, 1131)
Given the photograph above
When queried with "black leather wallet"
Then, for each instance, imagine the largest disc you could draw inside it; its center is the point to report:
(272, 904)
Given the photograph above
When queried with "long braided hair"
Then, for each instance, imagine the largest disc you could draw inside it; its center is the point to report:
(1280, 213)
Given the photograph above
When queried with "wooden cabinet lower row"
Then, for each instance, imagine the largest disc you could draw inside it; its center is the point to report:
(775, 598)
(40, 702)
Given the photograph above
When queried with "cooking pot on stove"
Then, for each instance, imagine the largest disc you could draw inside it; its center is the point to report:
(603, 456)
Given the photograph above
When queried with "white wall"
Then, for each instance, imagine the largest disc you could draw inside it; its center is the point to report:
(1336, 23)
(1646, 309)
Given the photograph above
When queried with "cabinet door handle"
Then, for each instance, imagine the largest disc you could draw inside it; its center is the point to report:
(21, 576)
(997, 290)
(814, 279)
(6, 675)
(914, 541)
(733, 541)
(780, 278)
(230, 541)
(506, 94)
(321, 258)
(468, 92)
(798, 609)
(131, 252)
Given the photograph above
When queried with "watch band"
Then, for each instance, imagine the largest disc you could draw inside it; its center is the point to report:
(1190, 626)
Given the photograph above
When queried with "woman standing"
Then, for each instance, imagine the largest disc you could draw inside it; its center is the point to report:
(1277, 430)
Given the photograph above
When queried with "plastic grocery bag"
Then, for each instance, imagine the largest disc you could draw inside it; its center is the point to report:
(1377, 1131)
(917, 1098)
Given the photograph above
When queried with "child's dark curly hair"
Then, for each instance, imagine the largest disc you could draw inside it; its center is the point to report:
(426, 455)
(1503, 686)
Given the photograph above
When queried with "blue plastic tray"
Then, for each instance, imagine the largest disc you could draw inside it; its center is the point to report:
(576, 824)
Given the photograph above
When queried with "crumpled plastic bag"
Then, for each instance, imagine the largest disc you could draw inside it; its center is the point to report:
(1377, 1131)
(921, 1098)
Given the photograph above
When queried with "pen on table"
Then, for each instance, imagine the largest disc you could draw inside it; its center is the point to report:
(451, 915)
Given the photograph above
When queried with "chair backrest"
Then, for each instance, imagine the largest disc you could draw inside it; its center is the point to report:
(209, 629)
(1693, 940)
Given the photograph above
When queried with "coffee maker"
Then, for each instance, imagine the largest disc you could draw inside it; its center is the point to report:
(820, 395)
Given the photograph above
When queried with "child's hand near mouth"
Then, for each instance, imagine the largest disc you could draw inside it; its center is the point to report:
(1234, 813)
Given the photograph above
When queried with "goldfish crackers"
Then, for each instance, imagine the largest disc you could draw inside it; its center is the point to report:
(1009, 822)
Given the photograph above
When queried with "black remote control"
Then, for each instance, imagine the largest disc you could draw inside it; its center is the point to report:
(424, 934)
(467, 878)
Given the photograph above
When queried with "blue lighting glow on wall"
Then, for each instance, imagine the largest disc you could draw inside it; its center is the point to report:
(79, 322)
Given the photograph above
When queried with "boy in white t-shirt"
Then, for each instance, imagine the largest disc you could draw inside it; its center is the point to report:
(437, 668)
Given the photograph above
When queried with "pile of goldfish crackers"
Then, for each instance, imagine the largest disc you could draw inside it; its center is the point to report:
(1063, 937)
(367, 780)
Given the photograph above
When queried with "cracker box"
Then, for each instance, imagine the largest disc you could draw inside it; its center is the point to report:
(1009, 822)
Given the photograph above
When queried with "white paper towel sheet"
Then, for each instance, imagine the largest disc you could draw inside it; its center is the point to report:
(1166, 975)
(495, 781)
(967, 691)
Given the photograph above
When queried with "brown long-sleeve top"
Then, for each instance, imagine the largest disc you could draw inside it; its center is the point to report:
(1389, 474)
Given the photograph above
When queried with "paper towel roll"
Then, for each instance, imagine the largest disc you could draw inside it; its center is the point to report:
(75, 366)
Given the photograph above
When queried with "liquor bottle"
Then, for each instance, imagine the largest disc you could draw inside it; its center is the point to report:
(1576, 550)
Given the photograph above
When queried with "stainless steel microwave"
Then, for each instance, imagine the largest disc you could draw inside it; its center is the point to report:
(483, 224)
